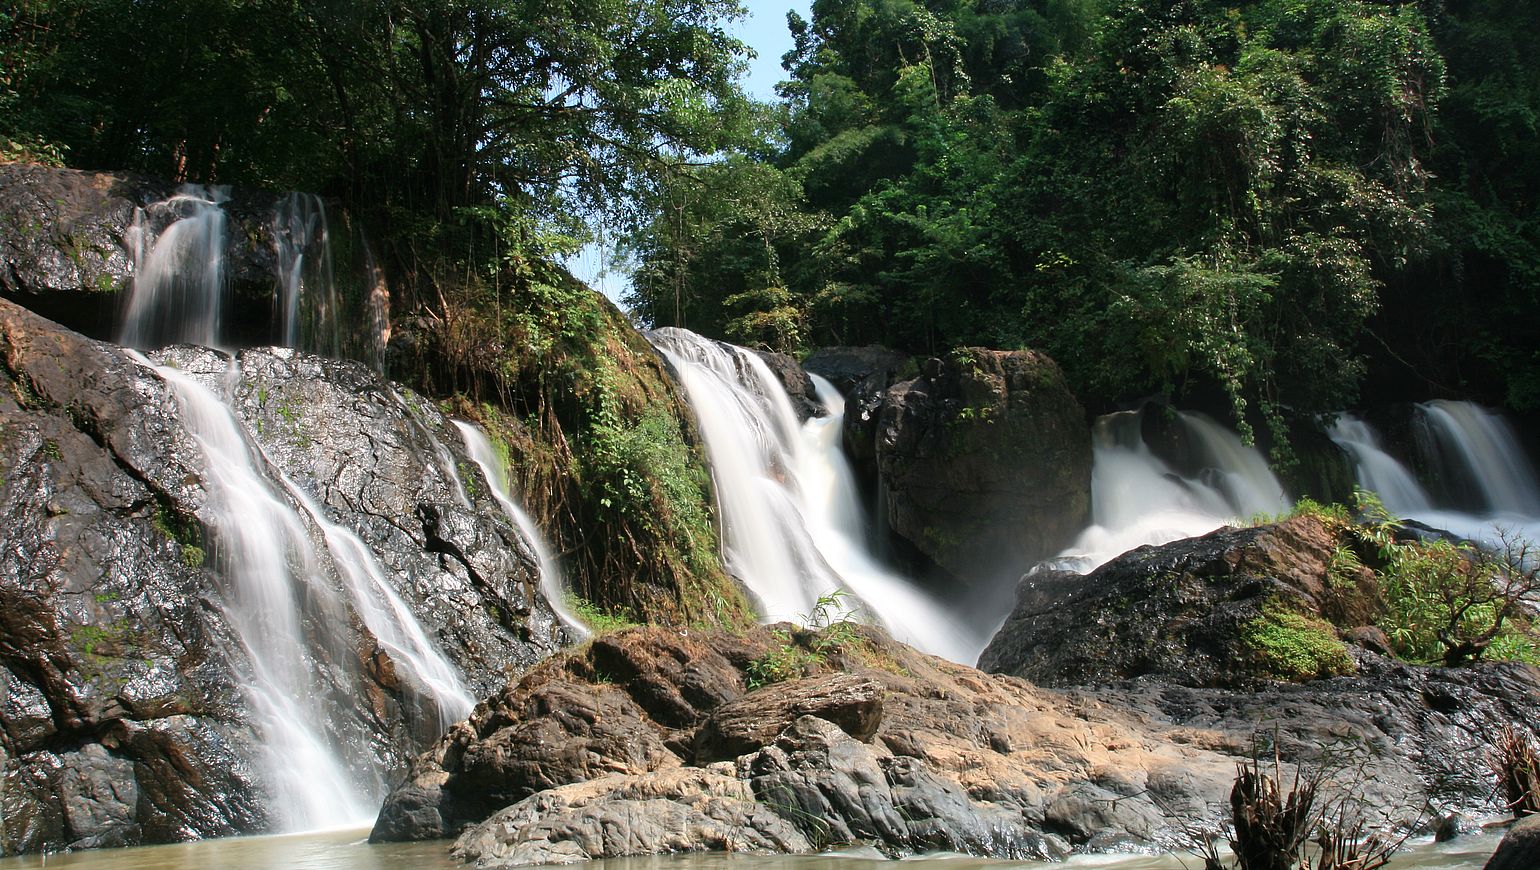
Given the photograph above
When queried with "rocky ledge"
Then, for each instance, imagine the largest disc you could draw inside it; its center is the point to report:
(658, 740)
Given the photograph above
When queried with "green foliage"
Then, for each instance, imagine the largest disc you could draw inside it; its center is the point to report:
(596, 618)
(1293, 646)
(832, 625)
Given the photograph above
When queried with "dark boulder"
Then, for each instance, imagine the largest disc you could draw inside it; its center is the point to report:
(1520, 848)
(860, 374)
(1227, 609)
(985, 461)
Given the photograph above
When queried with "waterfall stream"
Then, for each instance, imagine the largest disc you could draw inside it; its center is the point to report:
(179, 281)
(496, 472)
(307, 302)
(792, 527)
(1137, 498)
(1487, 485)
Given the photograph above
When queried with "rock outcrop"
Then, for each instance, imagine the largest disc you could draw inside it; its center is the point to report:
(122, 716)
(799, 387)
(1520, 848)
(985, 461)
(1231, 608)
(598, 753)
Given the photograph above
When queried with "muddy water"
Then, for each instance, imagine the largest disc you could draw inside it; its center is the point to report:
(348, 850)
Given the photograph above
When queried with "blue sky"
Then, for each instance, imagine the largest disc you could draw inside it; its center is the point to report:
(765, 31)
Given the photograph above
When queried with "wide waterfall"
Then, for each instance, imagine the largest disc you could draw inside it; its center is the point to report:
(1482, 483)
(792, 526)
(178, 249)
(496, 471)
(1137, 498)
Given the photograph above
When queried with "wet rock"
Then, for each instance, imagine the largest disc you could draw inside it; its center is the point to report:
(985, 461)
(860, 374)
(1196, 612)
(681, 810)
(1520, 848)
(122, 714)
(852, 703)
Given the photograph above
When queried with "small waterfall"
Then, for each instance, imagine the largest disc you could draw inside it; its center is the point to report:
(792, 529)
(1138, 499)
(278, 581)
(307, 305)
(496, 472)
(1486, 485)
(179, 281)
(1473, 448)
(1378, 471)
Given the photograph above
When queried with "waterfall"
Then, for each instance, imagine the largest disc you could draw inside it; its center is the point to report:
(307, 305)
(496, 472)
(179, 281)
(1486, 484)
(792, 529)
(1378, 471)
(1137, 498)
(276, 581)
(1473, 446)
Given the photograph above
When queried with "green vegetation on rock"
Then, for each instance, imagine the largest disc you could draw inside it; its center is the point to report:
(1294, 646)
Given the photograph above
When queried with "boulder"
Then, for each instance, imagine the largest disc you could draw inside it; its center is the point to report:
(960, 760)
(1520, 848)
(122, 711)
(860, 374)
(1229, 608)
(985, 461)
(852, 703)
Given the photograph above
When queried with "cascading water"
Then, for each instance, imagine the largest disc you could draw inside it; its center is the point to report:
(496, 472)
(1477, 447)
(1137, 498)
(307, 303)
(1487, 484)
(792, 528)
(278, 581)
(179, 281)
(1378, 471)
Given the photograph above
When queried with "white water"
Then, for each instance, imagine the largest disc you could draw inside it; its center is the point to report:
(269, 563)
(481, 452)
(179, 280)
(791, 526)
(307, 291)
(1138, 499)
(1475, 449)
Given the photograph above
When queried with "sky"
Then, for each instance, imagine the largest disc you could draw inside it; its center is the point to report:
(765, 32)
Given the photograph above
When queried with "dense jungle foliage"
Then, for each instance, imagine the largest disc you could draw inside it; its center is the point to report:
(1292, 204)
(1271, 198)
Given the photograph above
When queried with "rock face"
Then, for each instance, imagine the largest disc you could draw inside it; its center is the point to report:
(122, 718)
(1197, 612)
(597, 753)
(1520, 848)
(985, 461)
(860, 374)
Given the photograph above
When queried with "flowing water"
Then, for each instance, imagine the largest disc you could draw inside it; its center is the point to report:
(178, 250)
(270, 563)
(307, 303)
(350, 850)
(1486, 485)
(1137, 498)
(792, 528)
(496, 471)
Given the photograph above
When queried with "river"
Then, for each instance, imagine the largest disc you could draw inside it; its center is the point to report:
(350, 850)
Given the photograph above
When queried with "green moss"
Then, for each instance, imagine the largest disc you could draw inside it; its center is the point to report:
(596, 618)
(1296, 647)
